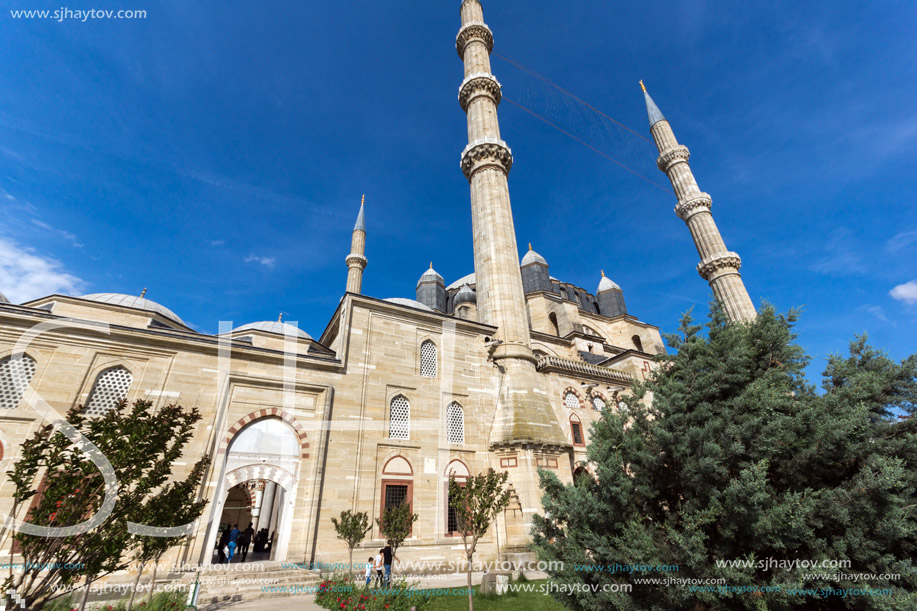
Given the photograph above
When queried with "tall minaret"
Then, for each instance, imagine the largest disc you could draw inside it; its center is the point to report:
(718, 266)
(523, 411)
(356, 260)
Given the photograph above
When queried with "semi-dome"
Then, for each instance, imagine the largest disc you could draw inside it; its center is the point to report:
(533, 257)
(274, 326)
(606, 284)
(465, 295)
(430, 275)
(132, 301)
(409, 303)
(469, 279)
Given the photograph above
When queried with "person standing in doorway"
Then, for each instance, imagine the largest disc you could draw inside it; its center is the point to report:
(387, 561)
(245, 539)
(233, 542)
(221, 545)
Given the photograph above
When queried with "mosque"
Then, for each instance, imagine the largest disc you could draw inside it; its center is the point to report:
(505, 368)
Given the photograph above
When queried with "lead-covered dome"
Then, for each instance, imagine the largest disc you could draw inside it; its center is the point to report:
(274, 326)
(132, 301)
(606, 284)
(411, 303)
(465, 295)
(533, 257)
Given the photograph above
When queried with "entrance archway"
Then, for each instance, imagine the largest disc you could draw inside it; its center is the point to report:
(263, 464)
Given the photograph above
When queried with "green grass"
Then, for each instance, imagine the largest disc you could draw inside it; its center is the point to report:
(529, 601)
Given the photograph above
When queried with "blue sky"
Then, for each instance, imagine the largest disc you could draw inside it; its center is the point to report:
(215, 153)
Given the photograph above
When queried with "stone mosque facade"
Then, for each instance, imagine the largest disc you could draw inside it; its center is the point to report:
(505, 368)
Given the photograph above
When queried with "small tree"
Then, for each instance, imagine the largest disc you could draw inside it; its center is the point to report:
(396, 525)
(141, 444)
(477, 504)
(352, 529)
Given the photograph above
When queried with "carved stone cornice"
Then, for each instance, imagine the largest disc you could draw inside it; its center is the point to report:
(474, 31)
(670, 157)
(486, 152)
(477, 84)
(691, 206)
(716, 265)
(355, 260)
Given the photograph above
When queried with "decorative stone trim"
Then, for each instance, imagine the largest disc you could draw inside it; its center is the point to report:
(573, 390)
(354, 259)
(672, 156)
(556, 364)
(473, 31)
(484, 153)
(728, 262)
(688, 208)
(478, 84)
(266, 413)
(268, 472)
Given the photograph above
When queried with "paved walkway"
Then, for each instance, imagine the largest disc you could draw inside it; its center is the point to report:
(305, 603)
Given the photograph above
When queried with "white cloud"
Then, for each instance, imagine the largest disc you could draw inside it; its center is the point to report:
(265, 261)
(216, 243)
(906, 292)
(60, 232)
(901, 241)
(25, 275)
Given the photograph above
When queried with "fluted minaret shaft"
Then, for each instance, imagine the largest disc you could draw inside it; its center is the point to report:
(486, 162)
(718, 266)
(356, 260)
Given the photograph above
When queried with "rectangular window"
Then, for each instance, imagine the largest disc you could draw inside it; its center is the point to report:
(577, 433)
(395, 493)
(452, 526)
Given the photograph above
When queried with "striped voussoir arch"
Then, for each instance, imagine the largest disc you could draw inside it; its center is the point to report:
(271, 412)
(255, 472)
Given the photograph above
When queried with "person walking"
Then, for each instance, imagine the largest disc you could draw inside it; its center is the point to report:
(369, 571)
(221, 545)
(245, 539)
(233, 542)
(380, 569)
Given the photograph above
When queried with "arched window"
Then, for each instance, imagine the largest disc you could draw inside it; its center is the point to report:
(553, 319)
(595, 307)
(598, 403)
(15, 375)
(576, 431)
(109, 389)
(455, 423)
(428, 359)
(571, 400)
(638, 343)
(399, 418)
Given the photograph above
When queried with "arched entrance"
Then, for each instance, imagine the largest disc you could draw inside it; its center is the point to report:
(258, 487)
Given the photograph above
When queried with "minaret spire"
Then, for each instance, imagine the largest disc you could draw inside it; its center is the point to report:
(718, 266)
(356, 260)
(524, 414)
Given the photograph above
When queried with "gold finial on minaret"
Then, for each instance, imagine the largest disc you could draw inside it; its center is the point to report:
(143, 292)
(431, 264)
(280, 317)
(363, 201)
(603, 273)
(642, 86)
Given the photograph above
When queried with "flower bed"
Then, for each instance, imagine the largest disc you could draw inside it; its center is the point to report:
(342, 594)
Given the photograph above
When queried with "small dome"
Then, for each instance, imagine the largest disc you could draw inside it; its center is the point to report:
(273, 326)
(3, 298)
(409, 303)
(469, 279)
(605, 284)
(132, 301)
(465, 295)
(533, 257)
(430, 276)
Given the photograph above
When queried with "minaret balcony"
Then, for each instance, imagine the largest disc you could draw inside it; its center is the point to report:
(672, 156)
(689, 207)
(486, 152)
(472, 31)
(719, 265)
(478, 84)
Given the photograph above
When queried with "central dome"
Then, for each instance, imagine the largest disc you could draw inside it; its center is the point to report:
(138, 303)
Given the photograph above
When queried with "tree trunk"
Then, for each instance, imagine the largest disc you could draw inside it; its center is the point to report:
(86, 594)
(351, 564)
(130, 602)
(153, 582)
(470, 594)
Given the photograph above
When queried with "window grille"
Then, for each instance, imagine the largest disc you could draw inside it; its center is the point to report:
(428, 359)
(571, 400)
(400, 418)
(395, 495)
(14, 377)
(111, 387)
(455, 423)
(598, 403)
(577, 433)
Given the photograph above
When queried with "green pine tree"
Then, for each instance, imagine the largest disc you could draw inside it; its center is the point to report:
(727, 453)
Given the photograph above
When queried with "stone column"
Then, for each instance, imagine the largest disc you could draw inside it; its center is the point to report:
(718, 266)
